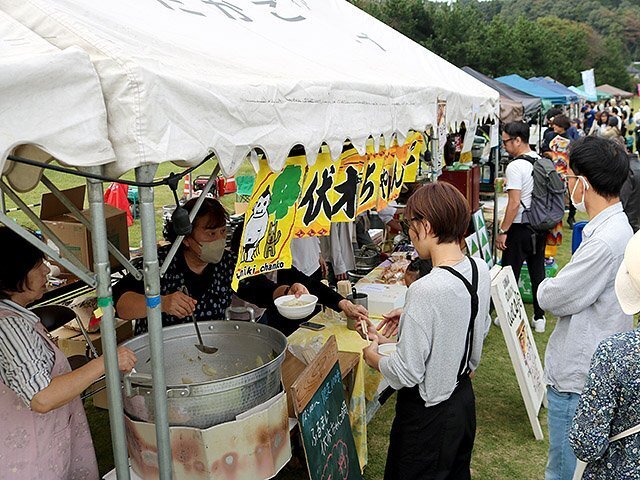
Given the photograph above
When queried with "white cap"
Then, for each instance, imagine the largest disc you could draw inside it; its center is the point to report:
(628, 278)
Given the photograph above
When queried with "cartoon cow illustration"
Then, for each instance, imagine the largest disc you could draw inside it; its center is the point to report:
(256, 227)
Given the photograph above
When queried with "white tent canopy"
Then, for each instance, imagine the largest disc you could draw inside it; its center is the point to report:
(51, 99)
(182, 78)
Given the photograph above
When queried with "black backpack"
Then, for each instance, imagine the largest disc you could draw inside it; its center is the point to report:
(547, 198)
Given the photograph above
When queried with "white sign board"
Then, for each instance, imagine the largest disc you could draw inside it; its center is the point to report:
(520, 343)
(473, 248)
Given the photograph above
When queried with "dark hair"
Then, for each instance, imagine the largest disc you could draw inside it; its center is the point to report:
(603, 162)
(20, 257)
(210, 206)
(615, 110)
(613, 122)
(444, 207)
(553, 112)
(420, 266)
(517, 130)
(562, 121)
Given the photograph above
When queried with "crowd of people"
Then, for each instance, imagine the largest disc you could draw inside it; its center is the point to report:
(592, 360)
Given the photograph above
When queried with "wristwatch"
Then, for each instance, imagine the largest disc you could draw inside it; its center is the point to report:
(502, 232)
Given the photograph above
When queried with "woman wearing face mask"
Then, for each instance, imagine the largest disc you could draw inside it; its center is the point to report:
(198, 280)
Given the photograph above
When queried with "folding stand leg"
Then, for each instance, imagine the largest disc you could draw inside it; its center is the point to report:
(107, 326)
(154, 318)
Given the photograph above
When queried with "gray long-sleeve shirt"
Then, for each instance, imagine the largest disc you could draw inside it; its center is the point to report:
(433, 329)
(582, 296)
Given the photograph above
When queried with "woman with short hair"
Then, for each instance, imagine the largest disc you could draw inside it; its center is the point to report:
(441, 332)
(43, 427)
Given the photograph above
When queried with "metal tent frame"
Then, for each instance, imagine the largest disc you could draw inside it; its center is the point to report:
(100, 279)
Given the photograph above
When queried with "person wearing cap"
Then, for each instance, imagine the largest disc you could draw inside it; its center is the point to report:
(582, 294)
(610, 402)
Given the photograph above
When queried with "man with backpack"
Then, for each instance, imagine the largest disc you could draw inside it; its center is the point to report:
(533, 208)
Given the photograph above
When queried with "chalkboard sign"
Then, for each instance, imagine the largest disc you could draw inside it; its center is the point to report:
(323, 417)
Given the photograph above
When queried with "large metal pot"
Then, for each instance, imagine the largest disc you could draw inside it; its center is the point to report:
(205, 390)
(367, 258)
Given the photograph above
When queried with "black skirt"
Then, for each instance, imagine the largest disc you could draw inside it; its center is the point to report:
(432, 443)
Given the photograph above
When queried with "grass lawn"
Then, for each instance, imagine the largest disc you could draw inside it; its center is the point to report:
(505, 447)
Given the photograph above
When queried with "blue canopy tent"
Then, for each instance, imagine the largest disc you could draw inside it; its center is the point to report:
(583, 94)
(547, 96)
(557, 87)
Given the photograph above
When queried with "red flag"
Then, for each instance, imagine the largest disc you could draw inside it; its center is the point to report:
(116, 196)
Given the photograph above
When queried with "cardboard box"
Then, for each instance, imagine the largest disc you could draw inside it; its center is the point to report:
(72, 342)
(255, 446)
(75, 236)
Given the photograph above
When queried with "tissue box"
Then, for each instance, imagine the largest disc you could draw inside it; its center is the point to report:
(382, 298)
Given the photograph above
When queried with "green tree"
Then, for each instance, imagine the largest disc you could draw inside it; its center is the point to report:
(611, 66)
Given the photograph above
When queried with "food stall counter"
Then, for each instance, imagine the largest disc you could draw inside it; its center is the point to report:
(366, 379)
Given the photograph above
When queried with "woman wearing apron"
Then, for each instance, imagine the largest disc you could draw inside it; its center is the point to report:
(442, 328)
(43, 427)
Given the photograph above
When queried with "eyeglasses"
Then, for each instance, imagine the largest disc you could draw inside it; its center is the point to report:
(510, 139)
(406, 224)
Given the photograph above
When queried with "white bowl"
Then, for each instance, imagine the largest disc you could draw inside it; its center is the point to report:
(387, 349)
(296, 312)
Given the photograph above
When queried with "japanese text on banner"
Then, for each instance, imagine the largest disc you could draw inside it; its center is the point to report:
(344, 195)
(315, 207)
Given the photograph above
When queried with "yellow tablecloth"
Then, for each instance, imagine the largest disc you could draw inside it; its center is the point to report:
(366, 379)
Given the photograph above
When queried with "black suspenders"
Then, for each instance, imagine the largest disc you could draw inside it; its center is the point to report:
(472, 288)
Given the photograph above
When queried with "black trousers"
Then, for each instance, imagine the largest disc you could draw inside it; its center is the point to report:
(523, 244)
(432, 443)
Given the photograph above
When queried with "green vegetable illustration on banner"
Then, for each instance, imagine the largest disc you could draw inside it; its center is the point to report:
(269, 220)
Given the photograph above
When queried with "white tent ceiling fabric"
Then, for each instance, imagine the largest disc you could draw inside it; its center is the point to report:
(181, 78)
(49, 98)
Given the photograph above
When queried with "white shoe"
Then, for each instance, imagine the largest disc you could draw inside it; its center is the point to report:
(539, 324)
(496, 322)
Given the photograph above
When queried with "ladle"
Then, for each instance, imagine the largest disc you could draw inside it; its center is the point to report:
(200, 346)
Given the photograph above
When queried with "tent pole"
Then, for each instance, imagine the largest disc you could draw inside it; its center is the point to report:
(3, 204)
(196, 208)
(496, 168)
(77, 214)
(154, 318)
(107, 324)
(540, 130)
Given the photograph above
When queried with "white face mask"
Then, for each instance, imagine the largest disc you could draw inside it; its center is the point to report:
(580, 206)
(211, 252)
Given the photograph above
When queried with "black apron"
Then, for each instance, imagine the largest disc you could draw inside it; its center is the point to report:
(436, 442)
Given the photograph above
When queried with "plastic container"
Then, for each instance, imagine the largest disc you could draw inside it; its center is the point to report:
(524, 282)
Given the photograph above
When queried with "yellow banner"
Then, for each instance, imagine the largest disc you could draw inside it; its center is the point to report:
(386, 180)
(368, 194)
(416, 147)
(269, 221)
(314, 207)
(344, 196)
